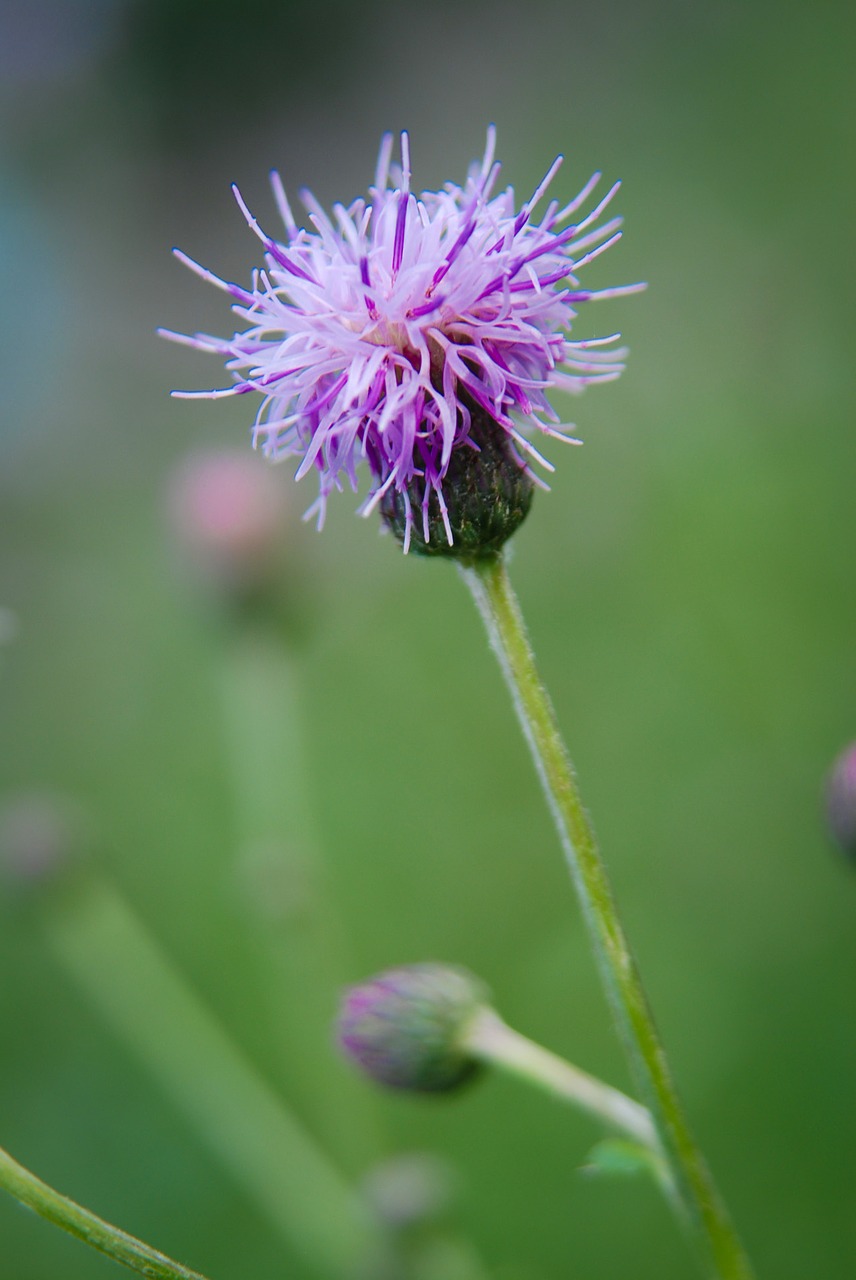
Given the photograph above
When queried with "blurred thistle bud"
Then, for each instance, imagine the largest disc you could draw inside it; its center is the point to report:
(841, 801)
(487, 492)
(41, 837)
(406, 1027)
(229, 514)
(408, 1190)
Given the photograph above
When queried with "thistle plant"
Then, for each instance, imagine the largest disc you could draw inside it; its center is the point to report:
(418, 338)
(422, 335)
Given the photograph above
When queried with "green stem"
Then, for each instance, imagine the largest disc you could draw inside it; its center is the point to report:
(493, 1042)
(298, 936)
(488, 580)
(103, 945)
(94, 1231)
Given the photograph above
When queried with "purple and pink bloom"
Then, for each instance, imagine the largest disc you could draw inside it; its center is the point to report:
(376, 334)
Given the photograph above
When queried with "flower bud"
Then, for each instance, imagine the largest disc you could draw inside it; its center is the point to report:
(41, 836)
(841, 801)
(228, 512)
(410, 1189)
(487, 491)
(406, 1027)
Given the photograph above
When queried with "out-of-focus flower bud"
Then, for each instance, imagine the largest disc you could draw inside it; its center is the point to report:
(410, 1189)
(229, 512)
(41, 837)
(841, 801)
(406, 1027)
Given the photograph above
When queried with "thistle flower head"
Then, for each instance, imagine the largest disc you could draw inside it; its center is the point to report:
(411, 332)
(405, 1028)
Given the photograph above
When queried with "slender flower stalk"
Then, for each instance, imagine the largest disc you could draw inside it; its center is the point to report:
(489, 583)
(298, 933)
(235, 539)
(86, 1226)
(492, 1041)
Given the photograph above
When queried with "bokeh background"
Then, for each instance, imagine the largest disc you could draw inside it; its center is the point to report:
(689, 585)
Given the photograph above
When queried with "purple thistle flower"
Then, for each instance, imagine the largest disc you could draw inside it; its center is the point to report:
(384, 333)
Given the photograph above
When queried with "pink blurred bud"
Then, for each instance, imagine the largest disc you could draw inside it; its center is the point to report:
(229, 513)
(411, 1188)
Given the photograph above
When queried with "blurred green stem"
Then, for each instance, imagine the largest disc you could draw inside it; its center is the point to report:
(296, 926)
(124, 973)
(705, 1212)
(94, 1231)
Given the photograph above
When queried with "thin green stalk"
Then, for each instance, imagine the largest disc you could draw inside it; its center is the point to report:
(297, 932)
(495, 1043)
(120, 967)
(488, 580)
(94, 1231)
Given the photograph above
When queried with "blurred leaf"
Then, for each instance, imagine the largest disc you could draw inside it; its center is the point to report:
(618, 1157)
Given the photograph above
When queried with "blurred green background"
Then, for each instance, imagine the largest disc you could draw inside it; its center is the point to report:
(688, 583)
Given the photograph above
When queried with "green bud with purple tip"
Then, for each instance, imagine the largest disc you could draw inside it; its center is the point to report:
(406, 1027)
